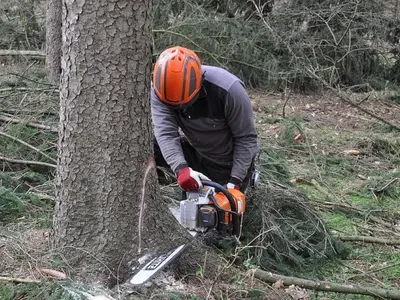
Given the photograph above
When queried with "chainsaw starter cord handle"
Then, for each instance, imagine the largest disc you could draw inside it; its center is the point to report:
(235, 217)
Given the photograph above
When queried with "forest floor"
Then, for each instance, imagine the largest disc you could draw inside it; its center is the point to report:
(347, 162)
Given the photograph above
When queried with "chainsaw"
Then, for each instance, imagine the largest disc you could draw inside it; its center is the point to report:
(212, 207)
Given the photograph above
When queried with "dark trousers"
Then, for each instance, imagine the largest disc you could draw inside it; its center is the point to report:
(217, 172)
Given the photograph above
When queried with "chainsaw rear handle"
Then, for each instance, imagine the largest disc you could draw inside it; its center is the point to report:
(235, 216)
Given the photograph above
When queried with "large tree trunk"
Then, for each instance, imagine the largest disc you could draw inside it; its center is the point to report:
(53, 40)
(105, 143)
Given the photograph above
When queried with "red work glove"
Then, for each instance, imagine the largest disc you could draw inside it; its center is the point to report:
(234, 183)
(189, 180)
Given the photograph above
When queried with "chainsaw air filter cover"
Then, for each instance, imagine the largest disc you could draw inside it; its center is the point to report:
(207, 216)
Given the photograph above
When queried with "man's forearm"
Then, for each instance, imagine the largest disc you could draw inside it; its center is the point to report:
(171, 150)
(246, 149)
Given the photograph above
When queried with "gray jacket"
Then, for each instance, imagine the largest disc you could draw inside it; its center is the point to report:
(219, 125)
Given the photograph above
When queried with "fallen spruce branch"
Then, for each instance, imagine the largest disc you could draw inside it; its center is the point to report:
(39, 54)
(378, 230)
(373, 271)
(30, 124)
(325, 285)
(369, 239)
(26, 162)
(13, 111)
(18, 280)
(42, 196)
(27, 145)
(382, 189)
(346, 208)
(24, 89)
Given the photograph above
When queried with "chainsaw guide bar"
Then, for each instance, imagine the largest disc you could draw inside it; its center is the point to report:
(155, 265)
(159, 262)
(202, 210)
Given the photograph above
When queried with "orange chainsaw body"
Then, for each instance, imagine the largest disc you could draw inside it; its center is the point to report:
(223, 202)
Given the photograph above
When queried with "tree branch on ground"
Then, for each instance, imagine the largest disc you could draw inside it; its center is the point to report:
(369, 239)
(325, 285)
(26, 162)
(24, 89)
(19, 280)
(12, 111)
(285, 98)
(382, 189)
(373, 271)
(28, 79)
(351, 209)
(347, 208)
(30, 124)
(38, 54)
(28, 145)
(42, 196)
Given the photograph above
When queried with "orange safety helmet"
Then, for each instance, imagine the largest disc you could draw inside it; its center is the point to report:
(177, 77)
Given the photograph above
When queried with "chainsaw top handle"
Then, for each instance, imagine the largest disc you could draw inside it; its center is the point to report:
(235, 216)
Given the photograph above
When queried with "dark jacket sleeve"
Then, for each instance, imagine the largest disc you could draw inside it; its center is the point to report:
(166, 133)
(239, 115)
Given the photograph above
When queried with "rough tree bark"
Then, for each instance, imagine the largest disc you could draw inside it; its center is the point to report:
(100, 225)
(53, 40)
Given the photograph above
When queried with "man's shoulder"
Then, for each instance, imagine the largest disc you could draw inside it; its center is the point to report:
(219, 76)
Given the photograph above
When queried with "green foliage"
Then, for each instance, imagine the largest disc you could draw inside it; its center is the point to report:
(281, 229)
(340, 222)
(339, 45)
(49, 290)
(265, 43)
(283, 232)
(14, 206)
(380, 258)
(219, 40)
(289, 129)
(272, 166)
(40, 140)
(11, 207)
(16, 203)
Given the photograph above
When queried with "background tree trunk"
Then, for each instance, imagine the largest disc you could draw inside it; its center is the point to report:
(53, 40)
(105, 143)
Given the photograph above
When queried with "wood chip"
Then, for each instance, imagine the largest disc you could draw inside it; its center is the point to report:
(54, 274)
(354, 152)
